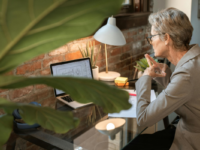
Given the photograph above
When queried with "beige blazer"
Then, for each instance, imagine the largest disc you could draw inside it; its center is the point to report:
(181, 94)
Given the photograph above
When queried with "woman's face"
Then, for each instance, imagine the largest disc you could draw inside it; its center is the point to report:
(160, 49)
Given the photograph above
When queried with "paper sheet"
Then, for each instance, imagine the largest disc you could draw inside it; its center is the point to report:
(131, 113)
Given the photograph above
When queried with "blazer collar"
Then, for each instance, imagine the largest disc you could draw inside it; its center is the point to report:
(192, 52)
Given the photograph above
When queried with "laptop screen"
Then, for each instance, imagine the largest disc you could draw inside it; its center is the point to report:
(74, 68)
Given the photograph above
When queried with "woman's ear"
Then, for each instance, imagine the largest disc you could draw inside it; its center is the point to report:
(167, 39)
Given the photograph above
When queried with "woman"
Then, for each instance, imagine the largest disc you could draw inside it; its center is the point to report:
(171, 34)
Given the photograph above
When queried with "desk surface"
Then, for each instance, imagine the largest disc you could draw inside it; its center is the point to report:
(85, 136)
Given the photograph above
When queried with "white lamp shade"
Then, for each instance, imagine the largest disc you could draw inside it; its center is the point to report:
(110, 34)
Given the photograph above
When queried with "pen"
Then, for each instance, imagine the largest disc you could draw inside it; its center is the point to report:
(132, 94)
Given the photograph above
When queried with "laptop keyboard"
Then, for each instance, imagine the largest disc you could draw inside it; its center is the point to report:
(67, 98)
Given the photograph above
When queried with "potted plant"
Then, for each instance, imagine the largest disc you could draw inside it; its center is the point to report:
(89, 52)
(141, 65)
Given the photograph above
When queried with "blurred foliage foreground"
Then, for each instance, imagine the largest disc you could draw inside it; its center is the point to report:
(29, 28)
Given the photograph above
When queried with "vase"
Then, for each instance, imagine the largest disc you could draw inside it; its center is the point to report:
(95, 72)
(139, 74)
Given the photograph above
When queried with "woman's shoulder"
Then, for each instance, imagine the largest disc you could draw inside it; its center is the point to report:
(189, 69)
(190, 62)
(181, 72)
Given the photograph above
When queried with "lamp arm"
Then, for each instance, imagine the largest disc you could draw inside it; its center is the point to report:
(106, 59)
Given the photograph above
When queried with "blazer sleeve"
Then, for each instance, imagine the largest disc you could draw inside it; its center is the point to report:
(176, 94)
(164, 81)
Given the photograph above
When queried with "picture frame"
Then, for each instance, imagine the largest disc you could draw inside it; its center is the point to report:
(136, 5)
(126, 7)
(126, 2)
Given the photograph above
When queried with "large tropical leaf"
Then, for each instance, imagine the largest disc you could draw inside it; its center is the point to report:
(58, 121)
(32, 27)
(111, 98)
(6, 122)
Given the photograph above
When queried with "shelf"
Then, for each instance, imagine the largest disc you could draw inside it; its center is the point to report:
(131, 20)
(136, 14)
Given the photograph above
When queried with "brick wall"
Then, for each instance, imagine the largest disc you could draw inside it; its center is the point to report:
(120, 59)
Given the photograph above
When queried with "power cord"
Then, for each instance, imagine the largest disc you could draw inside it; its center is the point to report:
(132, 80)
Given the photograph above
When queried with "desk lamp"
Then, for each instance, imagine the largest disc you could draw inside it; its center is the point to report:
(111, 35)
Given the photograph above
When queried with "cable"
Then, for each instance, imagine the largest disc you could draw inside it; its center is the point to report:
(132, 80)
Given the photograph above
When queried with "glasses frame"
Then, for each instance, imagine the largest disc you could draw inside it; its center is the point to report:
(149, 40)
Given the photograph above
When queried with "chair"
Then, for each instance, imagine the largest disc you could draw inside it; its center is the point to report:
(160, 140)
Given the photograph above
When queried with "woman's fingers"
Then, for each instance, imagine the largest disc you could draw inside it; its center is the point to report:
(148, 60)
(151, 71)
(162, 74)
(156, 65)
(151, 59)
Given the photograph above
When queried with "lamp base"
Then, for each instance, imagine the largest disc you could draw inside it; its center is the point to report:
(110, 76)
(117, 122)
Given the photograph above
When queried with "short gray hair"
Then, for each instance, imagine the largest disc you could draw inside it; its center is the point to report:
(175, 23)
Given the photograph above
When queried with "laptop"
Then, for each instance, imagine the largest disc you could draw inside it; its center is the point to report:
(75, 68)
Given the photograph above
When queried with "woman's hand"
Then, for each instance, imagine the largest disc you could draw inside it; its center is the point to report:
(155, 69)
(160, 66)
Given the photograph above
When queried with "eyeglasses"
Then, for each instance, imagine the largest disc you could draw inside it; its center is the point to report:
(149, 38)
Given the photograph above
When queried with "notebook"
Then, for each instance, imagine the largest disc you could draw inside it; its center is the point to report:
(74, 68)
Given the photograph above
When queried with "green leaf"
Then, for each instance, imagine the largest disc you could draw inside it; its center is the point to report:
(48, 118)
(141, 65)
(8, 107)
(139, 68)
(87, 49)
(6, 122)
(145, 63)
(92, 56)
(89, 52)
(110, 98)
(82, 53)
(30, 28)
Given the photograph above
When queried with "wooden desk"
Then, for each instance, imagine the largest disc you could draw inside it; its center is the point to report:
(78, 137)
